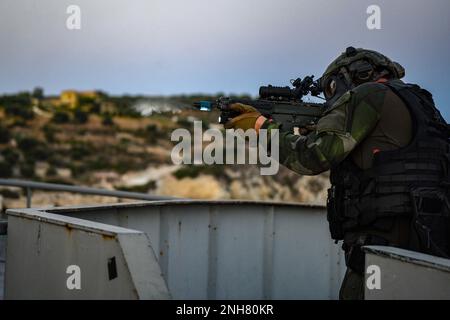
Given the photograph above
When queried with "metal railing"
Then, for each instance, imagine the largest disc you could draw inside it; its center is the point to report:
(29, 186)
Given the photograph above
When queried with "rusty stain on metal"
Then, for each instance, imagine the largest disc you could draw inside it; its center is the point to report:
(108, 237)
(38, 241)
(69, 228)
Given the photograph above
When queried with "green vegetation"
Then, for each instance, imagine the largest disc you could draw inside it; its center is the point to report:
(38, 93)
(80, 116)
(193, 171)
(10, 155)
(5, 169)
(27, 169)
(40, 145)
(18, 105)
(60, 117)
(4, 134)
(49, 132)
(143, 188)
(107, 120)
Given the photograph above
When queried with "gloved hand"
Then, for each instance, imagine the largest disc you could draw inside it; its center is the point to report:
(249, 118)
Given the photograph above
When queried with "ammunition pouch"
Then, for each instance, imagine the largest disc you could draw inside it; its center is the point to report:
(431, 220)
(334, 217)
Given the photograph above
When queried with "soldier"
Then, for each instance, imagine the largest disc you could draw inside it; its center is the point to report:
(387, 148)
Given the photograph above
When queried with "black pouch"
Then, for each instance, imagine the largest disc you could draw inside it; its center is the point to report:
(334, 214)
(431, 220)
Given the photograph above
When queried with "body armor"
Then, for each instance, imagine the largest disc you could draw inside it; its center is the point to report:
(412, 181)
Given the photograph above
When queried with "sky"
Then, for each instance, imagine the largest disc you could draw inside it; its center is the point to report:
(155, 47)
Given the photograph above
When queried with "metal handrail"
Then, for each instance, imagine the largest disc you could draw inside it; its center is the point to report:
(29, 186)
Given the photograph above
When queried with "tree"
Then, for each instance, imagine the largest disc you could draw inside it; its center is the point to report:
(27, 169)
(38, 93)
(10, 155)
(107, 120)
(60, 117)
(5, 170)
(4, 134)
(80, 116)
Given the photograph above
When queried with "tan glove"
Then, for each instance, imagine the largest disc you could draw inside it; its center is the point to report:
(246, 120)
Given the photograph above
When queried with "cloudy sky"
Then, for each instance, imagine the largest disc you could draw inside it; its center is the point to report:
(186, 46)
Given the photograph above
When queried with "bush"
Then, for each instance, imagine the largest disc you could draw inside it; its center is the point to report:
(101, 162)
(19, 122)
(193, 171)
(5, 170)
(27, 143)
(12, 194)
(27, 169)
(51, 171)
(38, 93)
(142, 188)
(78, 170)
(55, 159)
(60, 117)
(33, 149)
(10, 155)
(5, 136)
(184, 123)
(41, 152)
(81, 116)
(20, 111)
(79, 151)
(107, 120)
(49, 133)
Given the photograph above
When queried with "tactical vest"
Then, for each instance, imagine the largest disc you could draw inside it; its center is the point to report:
(410, 181)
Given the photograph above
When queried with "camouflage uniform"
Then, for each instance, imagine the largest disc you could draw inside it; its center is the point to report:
(366, 120)
(336, 135)
(374, 127)
(387, 148)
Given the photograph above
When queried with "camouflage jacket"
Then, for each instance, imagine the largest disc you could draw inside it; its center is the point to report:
(344, 127)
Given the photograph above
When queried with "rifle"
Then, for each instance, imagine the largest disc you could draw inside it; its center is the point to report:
(283, 105)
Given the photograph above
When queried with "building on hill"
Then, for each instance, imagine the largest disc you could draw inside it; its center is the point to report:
(72, 98)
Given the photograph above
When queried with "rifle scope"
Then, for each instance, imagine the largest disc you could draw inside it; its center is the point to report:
(275, 93)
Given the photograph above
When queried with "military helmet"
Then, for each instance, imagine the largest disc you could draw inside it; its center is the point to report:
(377, 59)
(354, 67)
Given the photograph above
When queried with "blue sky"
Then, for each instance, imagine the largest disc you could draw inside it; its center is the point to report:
(231, 46)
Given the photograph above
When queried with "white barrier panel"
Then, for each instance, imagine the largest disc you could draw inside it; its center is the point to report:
(401, 274)
(53, 256)
(233, 249)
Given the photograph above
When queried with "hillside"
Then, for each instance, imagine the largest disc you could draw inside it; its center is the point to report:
(104, 142)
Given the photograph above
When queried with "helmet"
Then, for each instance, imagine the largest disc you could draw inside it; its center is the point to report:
(377, 59)
(356, 66)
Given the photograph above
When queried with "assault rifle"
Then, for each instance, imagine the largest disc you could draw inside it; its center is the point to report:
(283, 105)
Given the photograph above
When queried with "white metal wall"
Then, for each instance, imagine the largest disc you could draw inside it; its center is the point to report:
(406, 275)
(113, 262)
(234, 249)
